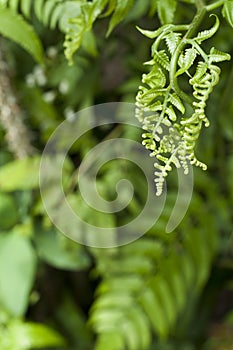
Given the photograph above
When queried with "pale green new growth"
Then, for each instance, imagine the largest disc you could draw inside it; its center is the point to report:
(171, 131)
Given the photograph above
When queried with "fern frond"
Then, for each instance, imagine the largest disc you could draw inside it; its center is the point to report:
(129, 304)
(162, 59)
(206, 34)
(176, 102)
(172, 41)
(218, 56)
(171, 135)
(186, 61)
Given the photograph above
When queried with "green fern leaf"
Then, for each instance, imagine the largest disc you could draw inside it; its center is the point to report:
(48, 9)
(156, 78)
(13, 27)
(122, 9)
(218, 56)
(162, 59)
(154, 311)
(38, 8)
(166, 10)
(171, 113)
(56, 16)
(172, 40)
(206, 34)
(200, 72)
(161, 287)
(26, 8)
(176, 101)
(141, 322)
(187, 61)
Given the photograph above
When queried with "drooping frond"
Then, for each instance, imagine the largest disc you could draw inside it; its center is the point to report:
(171, 131)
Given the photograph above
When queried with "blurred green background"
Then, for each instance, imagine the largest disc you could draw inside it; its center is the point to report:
(164, 291)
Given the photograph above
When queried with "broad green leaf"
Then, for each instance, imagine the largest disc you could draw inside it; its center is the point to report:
(227, 11)
(17, 269)
(15, 28)
(25, 336)
(22, 174)
(61, 252)
(122, 9)
(8, 211)
(166, 10)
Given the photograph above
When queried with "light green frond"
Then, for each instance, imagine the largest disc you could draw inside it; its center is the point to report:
(171, 135)
(218, 56)
(172, 40)
(206, 34)
(162, 59)
(187, 61)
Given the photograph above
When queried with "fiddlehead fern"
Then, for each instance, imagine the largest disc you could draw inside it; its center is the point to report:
(162, 108)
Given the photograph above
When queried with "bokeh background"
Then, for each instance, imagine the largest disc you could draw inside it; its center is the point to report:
(163, 291)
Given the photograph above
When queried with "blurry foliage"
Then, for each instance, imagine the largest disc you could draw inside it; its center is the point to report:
(164, 291)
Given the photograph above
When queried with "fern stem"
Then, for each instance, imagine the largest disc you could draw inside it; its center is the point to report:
(190, 32)
(215, 5)
(198, 48)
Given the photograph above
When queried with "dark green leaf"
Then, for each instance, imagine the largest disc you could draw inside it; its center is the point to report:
(227, 11)
(15, 28)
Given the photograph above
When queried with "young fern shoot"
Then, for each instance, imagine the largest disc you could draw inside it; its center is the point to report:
(171, 120)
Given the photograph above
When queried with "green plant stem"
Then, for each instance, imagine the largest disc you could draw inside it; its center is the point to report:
(214, 5)
(191, 31)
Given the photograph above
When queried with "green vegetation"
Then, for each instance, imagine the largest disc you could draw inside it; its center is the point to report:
(164, 291)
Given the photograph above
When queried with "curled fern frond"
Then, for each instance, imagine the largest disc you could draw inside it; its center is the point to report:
(207, 34)
(169, 133)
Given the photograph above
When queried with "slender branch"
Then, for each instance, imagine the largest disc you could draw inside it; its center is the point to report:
(200, 4)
